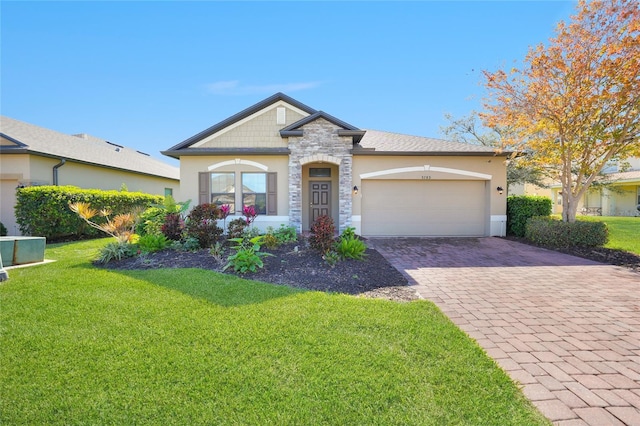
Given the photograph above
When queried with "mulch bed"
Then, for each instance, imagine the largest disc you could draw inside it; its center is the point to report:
(597, 254)
(295, 265)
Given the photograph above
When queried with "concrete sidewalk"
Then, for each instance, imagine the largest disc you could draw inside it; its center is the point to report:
(566, 328)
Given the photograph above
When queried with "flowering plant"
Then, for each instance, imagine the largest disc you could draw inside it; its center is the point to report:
(250, 213)
(224, 211)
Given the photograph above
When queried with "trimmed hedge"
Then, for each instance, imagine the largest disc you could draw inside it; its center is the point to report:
(44, 210)
(554, 233)
(522, 207)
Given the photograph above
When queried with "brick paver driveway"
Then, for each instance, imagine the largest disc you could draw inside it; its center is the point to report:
(566, 328)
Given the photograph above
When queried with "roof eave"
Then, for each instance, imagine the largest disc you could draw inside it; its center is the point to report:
(224, 151)
(13, 150)
(290, 133)
(367, 151)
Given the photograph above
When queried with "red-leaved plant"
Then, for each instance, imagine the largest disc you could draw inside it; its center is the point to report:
(173, 226)
(201, 224)
(250, 213)
(223, 213)
(322, 234)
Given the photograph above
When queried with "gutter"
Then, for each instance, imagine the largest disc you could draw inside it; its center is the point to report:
(55, 170)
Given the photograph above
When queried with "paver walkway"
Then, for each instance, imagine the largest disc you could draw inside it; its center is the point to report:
(566, 328)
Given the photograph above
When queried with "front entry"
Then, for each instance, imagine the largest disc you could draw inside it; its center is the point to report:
(320, 200)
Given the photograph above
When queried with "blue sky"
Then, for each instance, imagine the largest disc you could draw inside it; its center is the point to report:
(151, 74)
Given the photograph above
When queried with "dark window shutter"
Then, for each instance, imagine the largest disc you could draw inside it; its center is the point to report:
(204, 195)
(272, 194)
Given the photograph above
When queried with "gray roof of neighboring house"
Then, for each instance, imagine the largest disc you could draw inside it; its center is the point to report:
(387, 143)
(631, 175)
(82, 148)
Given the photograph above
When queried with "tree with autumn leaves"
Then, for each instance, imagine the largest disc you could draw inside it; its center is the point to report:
(575, 104)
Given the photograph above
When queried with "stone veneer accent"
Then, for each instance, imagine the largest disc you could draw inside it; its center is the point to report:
(320, 142)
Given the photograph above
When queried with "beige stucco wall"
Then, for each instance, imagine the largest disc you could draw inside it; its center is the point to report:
(13, 169)
(259, 130)
(190, 167)
(86, 176)
(31, 169)
(621, 202)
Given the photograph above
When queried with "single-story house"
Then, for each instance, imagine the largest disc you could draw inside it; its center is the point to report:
(33, 155)
(295, 163)
(620, 197)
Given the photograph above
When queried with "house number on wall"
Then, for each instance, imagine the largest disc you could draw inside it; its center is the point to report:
(426, 177)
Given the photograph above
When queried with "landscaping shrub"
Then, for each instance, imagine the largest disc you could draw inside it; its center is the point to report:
(153, 242)
(522, 207)
(332, 258)
(557, 234)
(172, 227)
(116, 251)
(322, 233)
(349, 246)
(152, 219)
(250, 213)
(44, 210)
(286, 234)
(270, 241)
(236, 228)
(121, 226)
(223, 212)
(248, 257)
(189, 244)
(202, 224)
(217, 251)
(3, 230)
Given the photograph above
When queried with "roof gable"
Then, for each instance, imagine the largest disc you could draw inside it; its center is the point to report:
(295, 129)
(242, 115)
(7, 142)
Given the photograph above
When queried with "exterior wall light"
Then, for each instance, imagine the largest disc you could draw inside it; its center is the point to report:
(500, 190)
(355, 190)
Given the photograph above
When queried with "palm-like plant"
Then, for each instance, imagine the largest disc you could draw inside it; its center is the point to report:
(121, 227)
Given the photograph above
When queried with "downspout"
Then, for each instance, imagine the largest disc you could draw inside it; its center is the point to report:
(55, 170)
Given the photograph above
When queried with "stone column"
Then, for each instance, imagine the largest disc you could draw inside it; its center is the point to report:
(295, 187)
(345, 194)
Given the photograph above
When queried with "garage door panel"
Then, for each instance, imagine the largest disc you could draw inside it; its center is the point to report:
(423, 208)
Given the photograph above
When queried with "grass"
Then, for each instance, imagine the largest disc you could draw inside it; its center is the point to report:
(624, 232)
(82, 345)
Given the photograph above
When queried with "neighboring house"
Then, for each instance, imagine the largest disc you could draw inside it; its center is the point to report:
(295, 163)
(620, 198)
(32, 155)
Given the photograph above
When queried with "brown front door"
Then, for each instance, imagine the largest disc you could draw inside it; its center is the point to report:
(320, 199)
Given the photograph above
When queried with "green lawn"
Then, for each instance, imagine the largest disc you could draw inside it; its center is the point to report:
(81, 345)
(624, 232)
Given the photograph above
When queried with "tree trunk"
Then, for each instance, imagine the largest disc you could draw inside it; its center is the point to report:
(569, 205)
(572, 210)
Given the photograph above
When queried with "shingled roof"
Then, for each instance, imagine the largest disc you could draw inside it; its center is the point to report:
(25, 138)
(387, 143)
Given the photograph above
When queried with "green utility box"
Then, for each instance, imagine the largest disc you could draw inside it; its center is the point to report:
(22, 250)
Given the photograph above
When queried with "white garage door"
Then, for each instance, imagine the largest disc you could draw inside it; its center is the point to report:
(423, 208)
